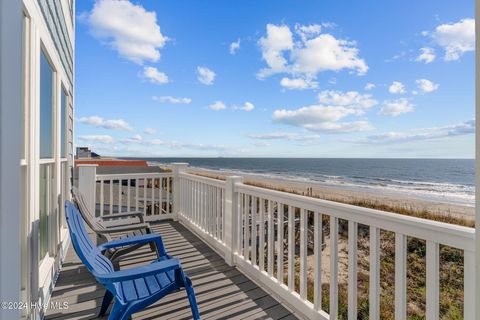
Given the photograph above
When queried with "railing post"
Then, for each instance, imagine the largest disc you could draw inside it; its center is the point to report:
(177, 168)
(87, 183)
(231, 226)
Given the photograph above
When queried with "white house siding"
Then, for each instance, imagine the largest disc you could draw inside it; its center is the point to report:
(27, 29)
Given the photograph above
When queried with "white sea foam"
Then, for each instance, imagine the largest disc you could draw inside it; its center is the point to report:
(426, 190)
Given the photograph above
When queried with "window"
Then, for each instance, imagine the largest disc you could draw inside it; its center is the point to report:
(46, 177)
(46, 108)
(63, 122)
(47, 166)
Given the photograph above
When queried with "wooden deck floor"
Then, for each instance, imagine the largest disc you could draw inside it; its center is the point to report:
(222, 291)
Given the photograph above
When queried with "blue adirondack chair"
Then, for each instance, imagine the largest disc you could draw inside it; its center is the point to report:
(135, 288)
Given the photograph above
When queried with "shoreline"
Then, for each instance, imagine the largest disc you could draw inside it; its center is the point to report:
(347, 195)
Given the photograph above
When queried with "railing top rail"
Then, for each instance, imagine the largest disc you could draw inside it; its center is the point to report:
(438, 232)
(126, 176)
(210, 181)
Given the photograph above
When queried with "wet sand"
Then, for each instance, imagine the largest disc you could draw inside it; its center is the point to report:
(347, 195)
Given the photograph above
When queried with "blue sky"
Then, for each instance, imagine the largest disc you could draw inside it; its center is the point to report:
(276, 78)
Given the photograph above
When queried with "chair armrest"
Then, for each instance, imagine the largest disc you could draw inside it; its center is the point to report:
(144, 239)
(123, 228)
(139, 272)
(125, 215)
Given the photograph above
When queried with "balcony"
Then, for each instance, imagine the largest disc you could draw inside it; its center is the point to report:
(228, 235)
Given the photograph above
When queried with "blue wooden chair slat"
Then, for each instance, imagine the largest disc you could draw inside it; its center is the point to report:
(133, 289)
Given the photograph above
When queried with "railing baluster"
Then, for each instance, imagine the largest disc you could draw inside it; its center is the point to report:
(194, 202)
(213, 218)
(153, 196)
(303, 253)
(160, 196)
(254, 230)
(271, 238)
(280, 210)
(246, 226)
(210, 210)
(352, 270)
(333, 267)
(218, 211)
(119, 210)
(205, 208)
(317, 261)
(261, 235)
(433, 282)
(291, 248)
(111, 197)
(128, 196)
(136, 194)
(374, 302)
(202, 206)
(145, 182)
(101, 197)
(240, 215)
(222, 213)
(469, 275)
(214, 210)
(203, 211)
(400, 276)
(198, 205)
(168, 196)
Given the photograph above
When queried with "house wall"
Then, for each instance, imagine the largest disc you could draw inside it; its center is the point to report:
(30, 183)
(10, 120)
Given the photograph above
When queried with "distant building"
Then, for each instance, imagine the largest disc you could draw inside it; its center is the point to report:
(85, 153)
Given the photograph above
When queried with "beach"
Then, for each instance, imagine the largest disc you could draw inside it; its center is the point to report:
(346, 195)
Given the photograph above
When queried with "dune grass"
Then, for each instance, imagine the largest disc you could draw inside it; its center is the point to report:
(408, 211)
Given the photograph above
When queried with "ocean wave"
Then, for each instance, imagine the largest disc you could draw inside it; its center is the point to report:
(427, 190)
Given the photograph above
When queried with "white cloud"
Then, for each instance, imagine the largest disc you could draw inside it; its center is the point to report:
(351, 99)
(172, 100)
(205, 76)
(278, 39)
(312, 54)
(154, 76)
(426, 55)
(96, 121)
(138, 139)
(234, 47)
(307, 32)
(433, 133)
(129, 29)
(396, 87)
(369, 86)
(325, 117)
(97, 138)
(326, 53)
(217, 106)
(298, 83)
(284, 136)
(426, 85)
(261, 144)
(248, 106)
(396, 107)
(149, 131)
(320, 118)
(455, 38)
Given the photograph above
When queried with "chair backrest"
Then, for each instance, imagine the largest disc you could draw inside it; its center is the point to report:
(93, 222)
(86, 250)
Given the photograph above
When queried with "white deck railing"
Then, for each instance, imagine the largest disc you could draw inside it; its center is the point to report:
(249, 226)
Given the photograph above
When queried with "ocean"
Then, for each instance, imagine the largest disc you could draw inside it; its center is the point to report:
(444, 180)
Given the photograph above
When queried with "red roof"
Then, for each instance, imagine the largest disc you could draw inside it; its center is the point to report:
(112, 162)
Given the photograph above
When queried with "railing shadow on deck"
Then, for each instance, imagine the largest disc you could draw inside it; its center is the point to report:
(222, 291)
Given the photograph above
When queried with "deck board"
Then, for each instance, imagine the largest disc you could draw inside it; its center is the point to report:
(222, 292)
